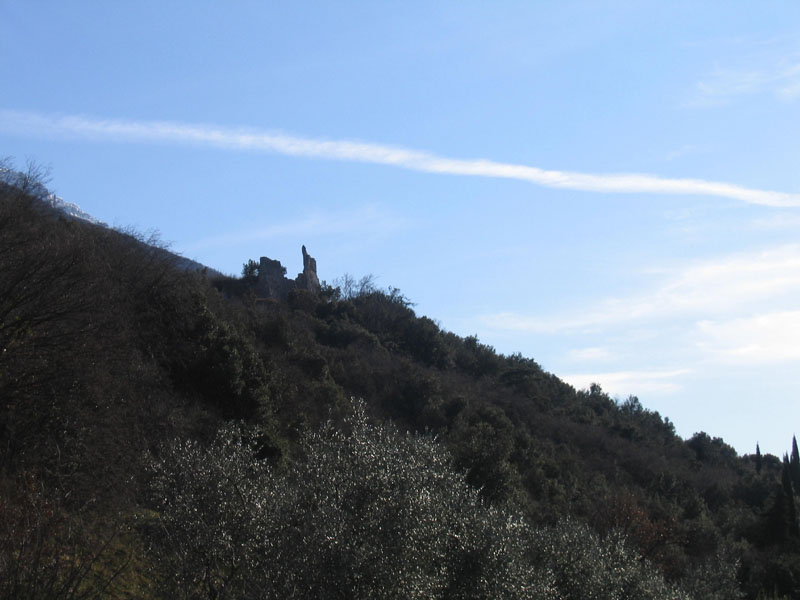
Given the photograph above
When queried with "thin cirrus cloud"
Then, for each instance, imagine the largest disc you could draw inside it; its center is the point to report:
(619, 383)
(764, 66)
(32, 123)
(754, 340)
(723, 287)
(367, 220)
(782, 81)
(736, 310)
(592, 354)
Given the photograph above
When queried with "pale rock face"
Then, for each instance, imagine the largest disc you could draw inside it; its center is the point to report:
(37, 190)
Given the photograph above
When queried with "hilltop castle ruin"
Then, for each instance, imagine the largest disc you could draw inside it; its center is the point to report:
(273, 283)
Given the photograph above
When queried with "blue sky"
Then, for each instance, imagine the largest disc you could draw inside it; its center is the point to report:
(610, 188)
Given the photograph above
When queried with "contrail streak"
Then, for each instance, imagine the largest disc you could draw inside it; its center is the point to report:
(118, 130)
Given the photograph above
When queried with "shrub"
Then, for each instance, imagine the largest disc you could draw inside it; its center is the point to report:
(588, 567)
(369, 513)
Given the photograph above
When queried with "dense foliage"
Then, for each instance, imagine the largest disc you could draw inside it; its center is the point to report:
(134, 391)
(367, 514)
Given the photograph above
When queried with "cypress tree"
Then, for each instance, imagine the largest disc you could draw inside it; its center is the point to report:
(794, 465)
(758, 459)
(781, 522)
(790, 511)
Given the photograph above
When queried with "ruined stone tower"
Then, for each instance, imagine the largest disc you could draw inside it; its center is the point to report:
(273, 283)
(308, 280)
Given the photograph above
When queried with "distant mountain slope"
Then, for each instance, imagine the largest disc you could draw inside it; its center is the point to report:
(28, 183)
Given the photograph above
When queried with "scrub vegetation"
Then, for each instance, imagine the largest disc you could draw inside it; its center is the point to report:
(165, 433)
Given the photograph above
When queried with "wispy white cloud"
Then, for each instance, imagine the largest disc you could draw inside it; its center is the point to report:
(368, 220)
(738, 310)
(765, 67)
(766, 338)
(782, 81)
(687, 150)
(725, 286)
(591, 354)
(778, 221)
(31, 123)
(624, 383)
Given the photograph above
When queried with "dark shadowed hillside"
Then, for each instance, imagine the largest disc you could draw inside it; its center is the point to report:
(169, 432)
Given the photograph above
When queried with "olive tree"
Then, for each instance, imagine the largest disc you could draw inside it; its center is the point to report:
(368, 513)
(587, 566)
(213, 516)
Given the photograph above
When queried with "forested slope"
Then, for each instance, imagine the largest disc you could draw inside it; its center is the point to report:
(167, 432)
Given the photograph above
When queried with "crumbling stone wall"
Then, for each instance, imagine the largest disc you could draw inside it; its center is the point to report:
(273, 283)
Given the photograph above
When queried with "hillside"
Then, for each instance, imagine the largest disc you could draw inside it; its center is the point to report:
(136, 392)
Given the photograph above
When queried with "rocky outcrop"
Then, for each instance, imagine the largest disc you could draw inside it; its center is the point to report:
(273, 283)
